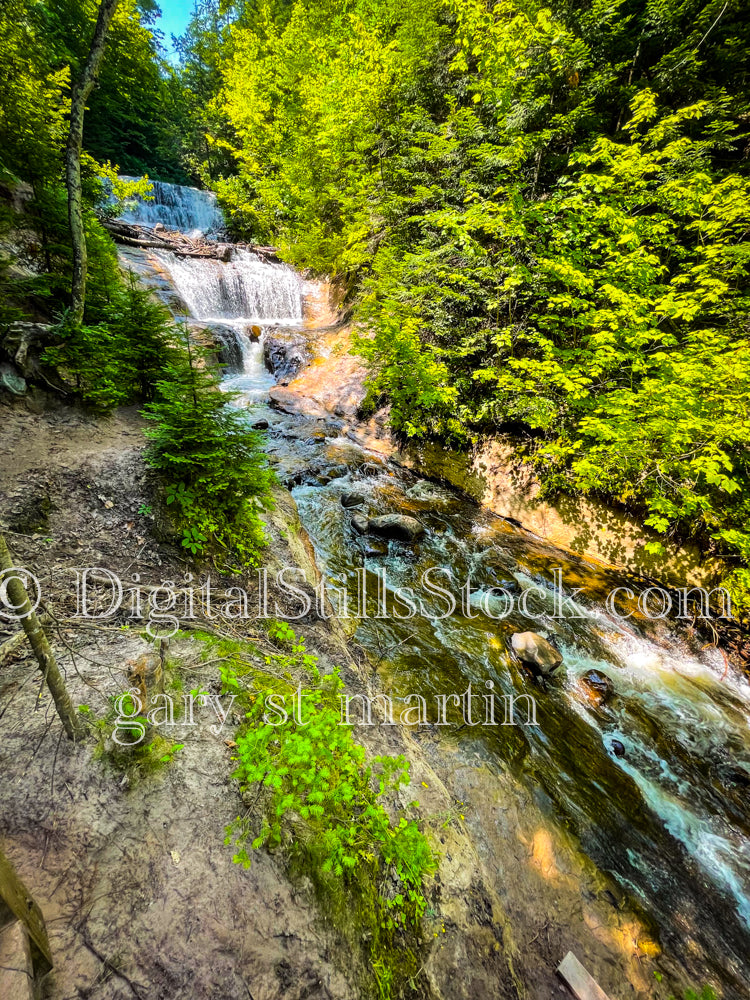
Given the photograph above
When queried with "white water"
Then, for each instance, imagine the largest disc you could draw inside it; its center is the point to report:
(246, 289)
(244, 292)
(177, 207)
(254, 380)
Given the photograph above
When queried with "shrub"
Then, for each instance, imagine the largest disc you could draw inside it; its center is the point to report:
(119, 360)
(323, 803)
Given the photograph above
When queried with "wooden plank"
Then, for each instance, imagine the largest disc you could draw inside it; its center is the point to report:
(582, 985)
(18, 899)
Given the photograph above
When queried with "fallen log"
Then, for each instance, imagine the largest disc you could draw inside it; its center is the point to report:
(219, 251)
(178, 243)
(174, 242)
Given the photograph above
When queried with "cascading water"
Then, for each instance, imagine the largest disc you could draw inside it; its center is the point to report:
(177, 207)
(669, 819)
(244, 293)
(246, 289)
(234, 296)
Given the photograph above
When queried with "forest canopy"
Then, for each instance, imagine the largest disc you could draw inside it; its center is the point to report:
(541, 212)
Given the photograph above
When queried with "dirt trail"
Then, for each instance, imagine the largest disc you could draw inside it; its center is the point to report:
(138, 889)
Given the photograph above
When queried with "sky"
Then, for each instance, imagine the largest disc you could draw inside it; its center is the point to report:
(175, 15)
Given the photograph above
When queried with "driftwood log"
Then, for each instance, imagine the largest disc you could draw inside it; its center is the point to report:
(178, 243)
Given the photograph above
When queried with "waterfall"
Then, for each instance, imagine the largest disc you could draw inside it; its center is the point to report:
(253, 380)
(247, 288)
(176, 207)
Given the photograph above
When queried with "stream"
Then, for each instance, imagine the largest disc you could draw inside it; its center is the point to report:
(668, 819)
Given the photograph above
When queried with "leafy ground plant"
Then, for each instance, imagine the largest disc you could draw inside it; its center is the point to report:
(315, 796)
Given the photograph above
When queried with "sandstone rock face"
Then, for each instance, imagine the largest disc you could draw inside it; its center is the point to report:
(397, 526)
(535, 651)
(285, 352)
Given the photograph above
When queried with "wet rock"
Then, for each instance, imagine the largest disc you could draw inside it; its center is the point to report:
(11, 381)
(295, 479)
(398, 526)
(597, 686)
(374, 547)
(289, 401)
(253, 332)
(285, 352)
(536, 652)
(618, 748)
(260, 425)
(222, 340)
(370, 469)
(360, 524)
(498, 561)
(175, 303)
(159, 227)
(336, 471)
(352, 499)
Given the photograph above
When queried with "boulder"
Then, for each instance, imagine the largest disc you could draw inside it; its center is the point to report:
(253, 333)
(352, 499)
(11, 380)
(398, 526)
(360, 524)
(260, 425)
(536, 652)
(618, 748)
(597, 686)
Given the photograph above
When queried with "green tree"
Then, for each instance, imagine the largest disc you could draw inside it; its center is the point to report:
(215, 474)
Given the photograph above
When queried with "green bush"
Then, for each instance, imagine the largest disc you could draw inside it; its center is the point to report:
(120, 359)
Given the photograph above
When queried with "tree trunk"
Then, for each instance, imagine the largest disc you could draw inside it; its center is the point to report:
(81, 92)
(19, 601)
